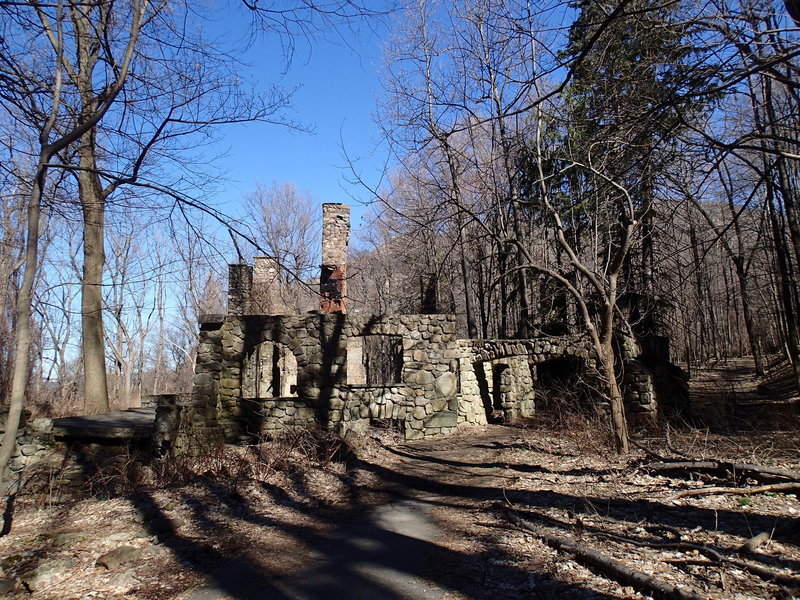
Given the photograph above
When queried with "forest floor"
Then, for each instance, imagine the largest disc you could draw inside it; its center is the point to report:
(242, 523)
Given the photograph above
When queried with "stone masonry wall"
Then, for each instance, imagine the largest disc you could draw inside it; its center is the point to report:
(335, 233)
(519, 355)
(265, 295)
(423, 402)
(426, 401)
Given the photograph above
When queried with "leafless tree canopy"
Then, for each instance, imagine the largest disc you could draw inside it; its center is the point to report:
(596, 167)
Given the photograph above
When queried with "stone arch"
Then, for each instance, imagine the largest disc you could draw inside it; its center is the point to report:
(295, 344)
(497, 376)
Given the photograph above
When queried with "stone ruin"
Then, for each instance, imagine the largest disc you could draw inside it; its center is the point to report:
(261, 370)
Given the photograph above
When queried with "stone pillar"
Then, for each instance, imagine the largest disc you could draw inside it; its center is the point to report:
(240, 284)
(265, 294)
(333, 275)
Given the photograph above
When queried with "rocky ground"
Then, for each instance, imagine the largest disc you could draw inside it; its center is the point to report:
(507, 501)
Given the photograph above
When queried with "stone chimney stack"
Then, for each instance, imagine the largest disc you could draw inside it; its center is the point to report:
(265, 298)
(333, 275)
(240, 283)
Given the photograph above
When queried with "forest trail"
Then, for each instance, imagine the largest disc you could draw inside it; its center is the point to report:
(728, 396)
(391, 550)
(442, 532)
(428, 519)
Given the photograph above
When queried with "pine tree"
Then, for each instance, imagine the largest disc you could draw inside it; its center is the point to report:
(628, 99)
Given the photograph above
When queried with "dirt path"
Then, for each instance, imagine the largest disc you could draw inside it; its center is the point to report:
(728, 396)
(379, 555)
(425, 520)
(391, 550)
(443, 533)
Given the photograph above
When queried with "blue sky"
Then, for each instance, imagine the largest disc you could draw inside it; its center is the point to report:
(338, 87)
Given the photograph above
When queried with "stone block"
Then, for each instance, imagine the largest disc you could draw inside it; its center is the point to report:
(438, 404)
(423, 377)
(447, 418)
(229, 384)
(445, 385)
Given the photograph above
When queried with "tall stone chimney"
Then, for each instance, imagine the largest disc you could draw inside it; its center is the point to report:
(265, 296)
(333, 275)
(240, 283)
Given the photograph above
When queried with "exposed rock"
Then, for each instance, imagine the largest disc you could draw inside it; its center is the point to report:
(6, 586)
(119, 556)
(68, 539)
(46, 571)
(123, 582)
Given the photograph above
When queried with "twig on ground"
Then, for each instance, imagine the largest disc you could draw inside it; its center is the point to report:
(763, 572)
(754, 542)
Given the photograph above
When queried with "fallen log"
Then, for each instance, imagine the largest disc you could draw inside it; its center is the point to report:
(708, 491)
(764, 573)
(732, 468)
(760, 571)
(607, 565)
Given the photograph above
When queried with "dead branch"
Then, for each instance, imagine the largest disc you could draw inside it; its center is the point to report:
(707, 491)
(754, 542)
(607, 565)
(763, 572)
(755, 471)
(648, 452)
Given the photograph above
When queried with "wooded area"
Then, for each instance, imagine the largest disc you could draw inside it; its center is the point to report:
(560, 168)
(634, 170)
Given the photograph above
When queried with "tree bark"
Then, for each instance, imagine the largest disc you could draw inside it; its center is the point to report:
(93, 341)
(24, 308)
(619, 423)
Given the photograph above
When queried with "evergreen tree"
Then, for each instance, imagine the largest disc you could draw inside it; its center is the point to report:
(628, 98)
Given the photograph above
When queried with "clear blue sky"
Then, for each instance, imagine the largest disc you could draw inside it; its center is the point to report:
(336, 97)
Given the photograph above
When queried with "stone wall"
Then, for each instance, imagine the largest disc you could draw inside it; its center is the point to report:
(513, 396)
(653, 386)
(443, 382)
(33, 442)
(266, 294)
(260, 372)
(422, 403)
(335, 233)
(637, 384)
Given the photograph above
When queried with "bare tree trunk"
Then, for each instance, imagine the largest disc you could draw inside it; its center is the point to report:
(469, 304)
(755, 349)
(22, 335)
(619, 423)
(784, 279)
(699, 290)
(93, 341)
